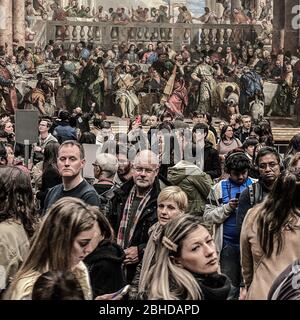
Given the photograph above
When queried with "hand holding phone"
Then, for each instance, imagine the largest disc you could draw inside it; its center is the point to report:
(233, 203)
(123, 291)
(238, 195)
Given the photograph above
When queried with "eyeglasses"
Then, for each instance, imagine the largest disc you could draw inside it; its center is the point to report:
(95, 165)
(264, 166)
(147, 170)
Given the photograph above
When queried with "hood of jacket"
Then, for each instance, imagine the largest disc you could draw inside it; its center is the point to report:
(182, 170)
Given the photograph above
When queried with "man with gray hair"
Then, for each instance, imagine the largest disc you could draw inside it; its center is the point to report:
(105, 168)
(134, 207)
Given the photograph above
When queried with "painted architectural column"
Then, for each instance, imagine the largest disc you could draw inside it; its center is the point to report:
(64, 3)
(235, 4)
(19, 21)
(6, 24)
(291, 26)
(91, 3)
(278, 25)
(211, 4)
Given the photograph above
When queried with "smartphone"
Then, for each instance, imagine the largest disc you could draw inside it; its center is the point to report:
(123, 291)
(238, 195)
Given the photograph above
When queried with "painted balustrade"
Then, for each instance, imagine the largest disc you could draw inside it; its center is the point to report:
(107, 33)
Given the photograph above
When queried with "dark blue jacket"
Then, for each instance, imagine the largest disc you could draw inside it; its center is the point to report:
(64, 132)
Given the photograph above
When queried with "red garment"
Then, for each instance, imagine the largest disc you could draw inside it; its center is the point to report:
(178, 99)
(216, 57)
(10, 93)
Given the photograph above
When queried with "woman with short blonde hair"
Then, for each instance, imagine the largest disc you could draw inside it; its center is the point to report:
(171, 202)
(176, 194)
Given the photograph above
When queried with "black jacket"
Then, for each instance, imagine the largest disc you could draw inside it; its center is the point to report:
(241, 134)
(50, 179)
(212, 165)
(147, 219)
(105, 268)
(214, 287)
(82, 122)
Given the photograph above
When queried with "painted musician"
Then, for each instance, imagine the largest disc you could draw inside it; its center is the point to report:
(125, 91)
(155, 83)
(204, 74)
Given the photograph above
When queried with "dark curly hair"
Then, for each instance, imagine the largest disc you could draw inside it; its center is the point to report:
(236, 160)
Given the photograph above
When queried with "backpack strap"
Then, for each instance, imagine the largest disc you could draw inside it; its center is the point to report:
(108, 194)
(258, 194)
(251, 194)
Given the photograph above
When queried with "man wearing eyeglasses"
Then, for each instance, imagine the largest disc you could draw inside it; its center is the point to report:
(268, 164)
(134, 209)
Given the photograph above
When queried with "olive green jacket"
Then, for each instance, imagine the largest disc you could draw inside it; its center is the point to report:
(194, 182)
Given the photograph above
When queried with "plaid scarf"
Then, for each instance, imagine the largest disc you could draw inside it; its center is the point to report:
(125, 217)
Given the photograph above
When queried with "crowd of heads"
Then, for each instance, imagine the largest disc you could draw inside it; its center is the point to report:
(133, 167)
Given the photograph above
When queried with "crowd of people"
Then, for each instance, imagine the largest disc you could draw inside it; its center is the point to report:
(167, 212)
(125, 79)
(180, 206)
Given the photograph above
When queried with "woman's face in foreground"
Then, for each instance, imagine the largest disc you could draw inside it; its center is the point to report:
(198, 253)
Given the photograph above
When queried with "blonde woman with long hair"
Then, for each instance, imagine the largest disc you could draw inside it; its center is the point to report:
(68, 233)
(186, 264)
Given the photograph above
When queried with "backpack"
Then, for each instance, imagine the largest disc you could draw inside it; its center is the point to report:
(106, 201)
(255, 193)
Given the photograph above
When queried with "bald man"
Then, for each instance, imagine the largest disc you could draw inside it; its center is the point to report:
(134, 209)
